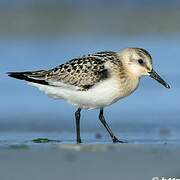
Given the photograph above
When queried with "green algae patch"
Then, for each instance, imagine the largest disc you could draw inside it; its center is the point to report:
(44, 140)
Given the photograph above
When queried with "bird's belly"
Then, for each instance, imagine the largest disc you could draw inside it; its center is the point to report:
(96, 97)
(101, 95)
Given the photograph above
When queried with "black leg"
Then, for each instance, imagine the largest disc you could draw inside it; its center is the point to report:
(78, 116)
(103, 121)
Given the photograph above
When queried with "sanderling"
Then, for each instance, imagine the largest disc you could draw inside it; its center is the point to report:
(94, 81)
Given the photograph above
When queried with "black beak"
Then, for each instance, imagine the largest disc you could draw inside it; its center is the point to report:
(155, 76)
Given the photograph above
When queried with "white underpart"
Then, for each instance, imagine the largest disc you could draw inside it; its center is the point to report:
(103, 94)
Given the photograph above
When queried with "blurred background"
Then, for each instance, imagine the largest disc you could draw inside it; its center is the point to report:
(40, 34)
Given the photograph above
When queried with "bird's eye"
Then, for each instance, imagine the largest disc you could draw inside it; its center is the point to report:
(140, 61)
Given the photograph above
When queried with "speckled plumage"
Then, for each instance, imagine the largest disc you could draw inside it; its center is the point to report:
(83, 72)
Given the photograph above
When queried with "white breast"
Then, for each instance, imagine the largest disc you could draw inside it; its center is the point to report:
(101, 95)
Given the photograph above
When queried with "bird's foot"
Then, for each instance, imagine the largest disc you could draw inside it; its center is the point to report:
(79, 141)
(115, 140)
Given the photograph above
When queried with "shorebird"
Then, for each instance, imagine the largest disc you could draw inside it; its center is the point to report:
(94, 80)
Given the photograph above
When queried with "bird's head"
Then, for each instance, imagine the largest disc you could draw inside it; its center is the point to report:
(138, 62)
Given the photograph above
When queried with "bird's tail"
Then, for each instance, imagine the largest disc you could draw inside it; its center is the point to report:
(33, 76)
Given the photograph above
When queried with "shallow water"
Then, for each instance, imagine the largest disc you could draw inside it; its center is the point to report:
(151, 108)
(31, 140)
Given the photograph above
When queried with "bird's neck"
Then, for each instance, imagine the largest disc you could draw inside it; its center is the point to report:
(129, 82)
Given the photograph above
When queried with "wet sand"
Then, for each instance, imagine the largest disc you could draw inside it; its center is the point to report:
(91, 161)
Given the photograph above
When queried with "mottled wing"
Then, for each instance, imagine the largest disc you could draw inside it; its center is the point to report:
(81, 73)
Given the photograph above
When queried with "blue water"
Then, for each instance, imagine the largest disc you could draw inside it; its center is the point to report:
(25, 108)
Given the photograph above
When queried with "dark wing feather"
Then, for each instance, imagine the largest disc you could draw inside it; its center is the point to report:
(31, 76)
